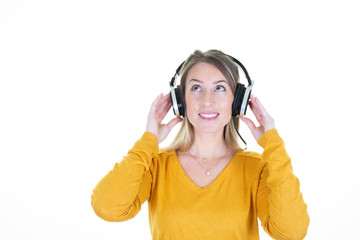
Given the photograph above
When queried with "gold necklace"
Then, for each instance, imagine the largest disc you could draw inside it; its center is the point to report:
(207, 170)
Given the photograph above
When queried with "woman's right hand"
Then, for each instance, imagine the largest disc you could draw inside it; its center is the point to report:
(158, 111)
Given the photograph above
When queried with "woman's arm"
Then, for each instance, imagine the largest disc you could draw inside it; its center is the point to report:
(280, 206)
(120, 194)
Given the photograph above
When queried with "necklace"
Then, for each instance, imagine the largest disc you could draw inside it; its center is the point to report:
(207, 170)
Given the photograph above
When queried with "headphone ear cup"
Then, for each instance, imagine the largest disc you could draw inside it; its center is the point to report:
(238, 99)
(180, 104)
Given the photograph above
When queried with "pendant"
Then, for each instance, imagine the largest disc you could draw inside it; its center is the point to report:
(208, 172)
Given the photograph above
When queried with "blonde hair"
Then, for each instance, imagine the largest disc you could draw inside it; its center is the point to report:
(229, 69)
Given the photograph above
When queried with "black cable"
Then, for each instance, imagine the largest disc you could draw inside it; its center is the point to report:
(238, 132)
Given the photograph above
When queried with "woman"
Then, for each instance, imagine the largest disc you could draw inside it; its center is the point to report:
(204, 186)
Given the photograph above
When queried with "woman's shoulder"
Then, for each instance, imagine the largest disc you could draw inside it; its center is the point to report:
(249, 163)
(249, 158)
(249, 154)
(166, 153)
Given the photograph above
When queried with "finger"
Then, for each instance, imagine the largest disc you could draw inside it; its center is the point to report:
(255, 109)
(164, 99)
(254, 102)
(162, 103)
(258, 109)
(249, 123)
(252, 97)
(260, 105)
(156, 101)
(165, 110)
(158, 98)
(165, 102)
(173, 122)
(159, 104)
(167, 95)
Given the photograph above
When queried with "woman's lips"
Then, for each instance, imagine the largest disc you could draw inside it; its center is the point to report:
(208, 115)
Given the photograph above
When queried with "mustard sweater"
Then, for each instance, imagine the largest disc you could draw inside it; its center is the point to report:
(251, 186)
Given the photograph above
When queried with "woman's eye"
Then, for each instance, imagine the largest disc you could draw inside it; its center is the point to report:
(195, 88)
(220, 88)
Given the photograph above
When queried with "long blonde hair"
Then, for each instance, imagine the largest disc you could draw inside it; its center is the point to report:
(229, 69)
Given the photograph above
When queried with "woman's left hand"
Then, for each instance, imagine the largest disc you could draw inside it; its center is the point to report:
(266, 122)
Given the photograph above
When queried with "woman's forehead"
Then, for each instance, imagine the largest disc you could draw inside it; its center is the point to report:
(203, 72)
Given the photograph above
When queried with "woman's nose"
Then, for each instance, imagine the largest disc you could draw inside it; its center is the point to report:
(208, 98)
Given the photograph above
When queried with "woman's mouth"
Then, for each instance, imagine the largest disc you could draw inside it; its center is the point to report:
(208, 116)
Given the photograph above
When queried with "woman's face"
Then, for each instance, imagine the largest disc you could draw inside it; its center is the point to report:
(208, 98)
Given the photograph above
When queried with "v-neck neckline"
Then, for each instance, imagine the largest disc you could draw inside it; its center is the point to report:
(214, 183)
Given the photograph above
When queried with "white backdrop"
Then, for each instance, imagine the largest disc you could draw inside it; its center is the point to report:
(78, 78)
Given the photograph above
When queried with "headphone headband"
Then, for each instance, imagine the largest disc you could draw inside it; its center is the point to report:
(177, 73)
(243, 68)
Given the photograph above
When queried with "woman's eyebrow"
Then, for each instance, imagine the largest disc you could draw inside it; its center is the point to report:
(220, 82)
(199, 81)
(195, 80)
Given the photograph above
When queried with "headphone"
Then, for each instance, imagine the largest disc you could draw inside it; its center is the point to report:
(241, 97)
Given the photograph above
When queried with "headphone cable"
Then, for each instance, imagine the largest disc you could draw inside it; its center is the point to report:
(238, 132)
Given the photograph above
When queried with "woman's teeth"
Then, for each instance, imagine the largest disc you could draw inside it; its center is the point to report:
(208, 115)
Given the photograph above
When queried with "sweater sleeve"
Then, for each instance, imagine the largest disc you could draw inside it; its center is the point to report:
(120, 194)
(280, 205)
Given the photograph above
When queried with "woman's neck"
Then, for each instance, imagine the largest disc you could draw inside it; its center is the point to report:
(208, 145)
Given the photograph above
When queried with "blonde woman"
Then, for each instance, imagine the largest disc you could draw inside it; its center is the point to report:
(204, 185)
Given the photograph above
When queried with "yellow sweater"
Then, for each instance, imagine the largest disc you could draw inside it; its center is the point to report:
(251, 186)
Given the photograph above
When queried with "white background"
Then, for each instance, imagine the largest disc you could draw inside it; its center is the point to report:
(78, 78)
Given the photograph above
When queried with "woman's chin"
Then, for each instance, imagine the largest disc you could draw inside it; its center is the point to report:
(209, 130)
(208, 127)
